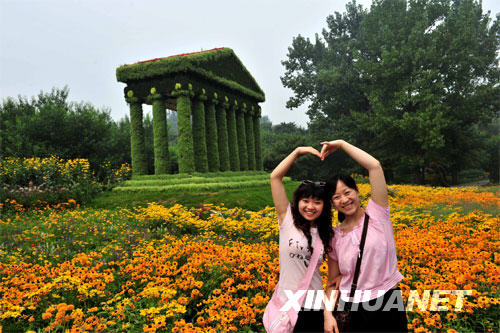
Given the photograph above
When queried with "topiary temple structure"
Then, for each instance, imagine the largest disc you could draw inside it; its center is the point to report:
(218, 113)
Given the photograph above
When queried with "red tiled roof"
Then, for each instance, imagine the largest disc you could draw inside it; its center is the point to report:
(179, 55)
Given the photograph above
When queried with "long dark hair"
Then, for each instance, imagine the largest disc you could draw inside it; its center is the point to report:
(347, 180)
(323, 222)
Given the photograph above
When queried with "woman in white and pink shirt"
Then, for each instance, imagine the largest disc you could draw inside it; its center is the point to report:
(379, 305)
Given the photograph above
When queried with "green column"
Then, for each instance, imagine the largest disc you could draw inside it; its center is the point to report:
(242, 139)
(250, 138)
(211, 130)
(199, 140)
(137, 145)
(222, 136)
(234, 157)
(160, 133)
(256, 136)
(185, 132)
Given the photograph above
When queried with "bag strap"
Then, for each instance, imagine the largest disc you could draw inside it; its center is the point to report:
(360, 256)
(304, 284)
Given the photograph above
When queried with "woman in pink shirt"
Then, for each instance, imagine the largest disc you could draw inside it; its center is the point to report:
(299, 224)
(377, 304)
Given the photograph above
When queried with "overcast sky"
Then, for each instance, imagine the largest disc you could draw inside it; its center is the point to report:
(53, 43)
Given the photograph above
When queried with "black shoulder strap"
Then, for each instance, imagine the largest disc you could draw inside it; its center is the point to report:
(360, 256)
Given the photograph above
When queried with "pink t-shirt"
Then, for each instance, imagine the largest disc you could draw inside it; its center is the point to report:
(379, 267)
(295, 257)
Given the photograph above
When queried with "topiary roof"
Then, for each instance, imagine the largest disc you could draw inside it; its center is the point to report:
(220, 65)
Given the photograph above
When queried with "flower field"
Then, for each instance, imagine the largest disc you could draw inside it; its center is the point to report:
(213, 269)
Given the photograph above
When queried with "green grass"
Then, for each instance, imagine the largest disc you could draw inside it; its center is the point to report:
(252, 198)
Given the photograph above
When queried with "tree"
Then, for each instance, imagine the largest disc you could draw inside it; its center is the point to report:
(418, 76)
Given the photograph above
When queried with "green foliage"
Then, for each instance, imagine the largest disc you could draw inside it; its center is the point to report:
(199, 140)
(250, 141)
(419, 76)
(137, 143)
(242, 140)
(160, 136)
(219, 65)
(193, 180)
(212, 139)
(257, 145)
(234, 155)
(48, 124)
(222, 135)
(186, 155)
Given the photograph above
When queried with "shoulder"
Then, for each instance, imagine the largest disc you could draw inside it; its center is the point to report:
(378, 213)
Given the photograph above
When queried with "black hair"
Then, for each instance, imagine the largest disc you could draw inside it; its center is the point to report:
(347, 180)
(323, 222)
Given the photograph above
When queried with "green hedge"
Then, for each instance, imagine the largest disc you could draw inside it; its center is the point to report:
(185, 136)
(191, 180)
(219, 65)
(199, 140)
(222, 136)
(198, 187)
(212, 140)
(250, 141)
(227, 174)
(242, 140)
(234, 155)
(137, 144)
(160, 133)
(259, 165)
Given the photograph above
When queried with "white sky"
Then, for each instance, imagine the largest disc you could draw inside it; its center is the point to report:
(52, 43)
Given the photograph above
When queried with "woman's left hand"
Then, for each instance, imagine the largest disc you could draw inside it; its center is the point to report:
(329, 147)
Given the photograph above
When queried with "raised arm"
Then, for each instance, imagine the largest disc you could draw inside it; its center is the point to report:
(375, 171)
(277, 189)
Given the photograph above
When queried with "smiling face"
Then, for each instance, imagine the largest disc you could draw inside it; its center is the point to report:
(310, 208)
(345, 199)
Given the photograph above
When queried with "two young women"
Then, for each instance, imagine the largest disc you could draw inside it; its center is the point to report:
(310, 213)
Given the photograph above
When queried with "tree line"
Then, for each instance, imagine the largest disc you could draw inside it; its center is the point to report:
(416, 83)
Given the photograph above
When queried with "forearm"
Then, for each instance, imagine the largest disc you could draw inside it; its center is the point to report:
(363, 158)
(280, 171)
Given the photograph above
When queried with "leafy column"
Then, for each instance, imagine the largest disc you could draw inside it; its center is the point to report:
(211, 130)
(160, 132)
(199, 141)
(234, 157)
(222, 136)
(250, 138)
(256, 136)
(137, 145)
(242, 138)
(185, 140)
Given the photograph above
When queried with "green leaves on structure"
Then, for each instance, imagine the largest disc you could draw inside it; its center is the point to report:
(219, 65)
(160, 134)
(137, 146)
(222, 136)
(199, 137)
(250, 141)
(242, 140)
(186, 154)
(211, 137)
(258, 153)
(234, 155)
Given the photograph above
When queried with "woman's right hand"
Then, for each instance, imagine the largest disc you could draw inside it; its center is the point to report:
(307, 150)
(330, 325)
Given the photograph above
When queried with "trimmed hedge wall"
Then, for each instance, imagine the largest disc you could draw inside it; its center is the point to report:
(234, 155)
(222, 136)
(199, 140)
(198, 187)
(242, 140)
(212, 141)
(191, 180)
(250, 141)
(137, 144)
(160, 133)
(225, 174)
